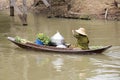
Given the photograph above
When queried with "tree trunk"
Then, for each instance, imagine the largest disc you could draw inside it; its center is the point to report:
(46, 3)
(21, 15)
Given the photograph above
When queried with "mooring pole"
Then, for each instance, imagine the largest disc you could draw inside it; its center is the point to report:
(24, 13)
(106, 13)
(12, 7)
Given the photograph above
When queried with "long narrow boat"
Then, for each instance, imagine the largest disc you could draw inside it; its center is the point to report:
(33, 46)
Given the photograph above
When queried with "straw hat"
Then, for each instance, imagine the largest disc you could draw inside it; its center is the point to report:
(81, 31)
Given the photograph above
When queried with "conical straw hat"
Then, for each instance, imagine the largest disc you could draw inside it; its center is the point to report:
(81, 31)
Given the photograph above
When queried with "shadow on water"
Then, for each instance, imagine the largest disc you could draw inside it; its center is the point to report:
(21, 64)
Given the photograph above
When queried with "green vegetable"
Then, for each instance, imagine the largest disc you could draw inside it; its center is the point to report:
(44, 38)
(20, 40)
(95, 47)
(17, 39)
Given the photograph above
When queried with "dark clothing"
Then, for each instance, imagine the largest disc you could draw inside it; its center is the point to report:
(82, 41)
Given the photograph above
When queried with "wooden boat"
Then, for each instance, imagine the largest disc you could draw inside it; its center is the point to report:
(33, 46)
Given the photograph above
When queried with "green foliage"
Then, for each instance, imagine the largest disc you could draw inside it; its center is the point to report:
(17, 39)
(96, 47)
(20, 40)
(44, 38)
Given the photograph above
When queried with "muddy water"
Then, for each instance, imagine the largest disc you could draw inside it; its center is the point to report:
(20, 64)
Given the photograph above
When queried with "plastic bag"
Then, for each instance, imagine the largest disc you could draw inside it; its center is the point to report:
(61, 46)
(57, 39)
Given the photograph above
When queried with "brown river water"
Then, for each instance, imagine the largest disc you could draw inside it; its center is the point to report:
(21, 64)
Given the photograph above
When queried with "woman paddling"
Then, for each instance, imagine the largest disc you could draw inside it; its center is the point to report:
(82, 39)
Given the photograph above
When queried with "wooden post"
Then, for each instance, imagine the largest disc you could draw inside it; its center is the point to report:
(12, 7)
(24, 13)
(11, 11)
(106, 13)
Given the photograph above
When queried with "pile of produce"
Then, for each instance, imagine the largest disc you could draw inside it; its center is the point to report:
(44, 38)
(96, 47)
(20, 40)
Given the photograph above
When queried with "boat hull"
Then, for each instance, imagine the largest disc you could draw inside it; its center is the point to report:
(32, 46)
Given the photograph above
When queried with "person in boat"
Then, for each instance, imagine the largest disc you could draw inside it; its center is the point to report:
(82, 39)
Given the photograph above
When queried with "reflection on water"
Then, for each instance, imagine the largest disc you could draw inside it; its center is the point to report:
(115, 52)
(57, 64)
(25, 68)
(107, 69)
(20, 64)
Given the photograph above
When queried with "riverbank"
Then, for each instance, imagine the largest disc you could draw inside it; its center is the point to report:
(79, 9)
(75, 9)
